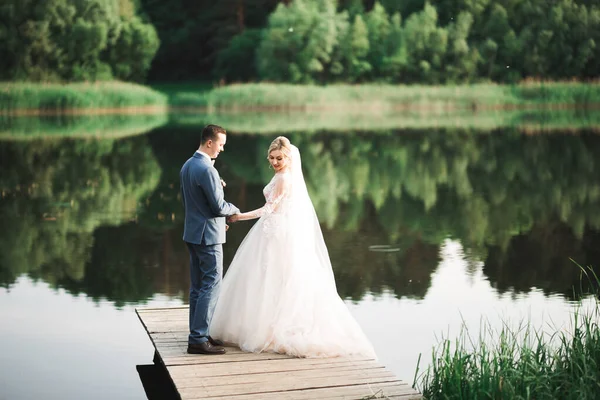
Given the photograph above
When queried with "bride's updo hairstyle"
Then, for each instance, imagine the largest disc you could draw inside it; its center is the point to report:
(282, 144)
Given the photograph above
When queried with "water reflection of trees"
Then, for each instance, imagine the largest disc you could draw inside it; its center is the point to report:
(486, 190)
(413, 189)
(540, 258)
(403, 268)
(521, 204)
(56, 193)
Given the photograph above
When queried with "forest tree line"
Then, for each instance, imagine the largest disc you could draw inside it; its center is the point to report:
(75, 40)
(300, 41)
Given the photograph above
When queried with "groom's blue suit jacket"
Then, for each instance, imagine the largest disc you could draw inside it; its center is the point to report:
(204, 202)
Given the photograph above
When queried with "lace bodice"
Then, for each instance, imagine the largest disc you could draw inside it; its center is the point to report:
(275, 193)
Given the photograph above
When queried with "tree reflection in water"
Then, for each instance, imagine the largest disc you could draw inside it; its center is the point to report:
(104, 217)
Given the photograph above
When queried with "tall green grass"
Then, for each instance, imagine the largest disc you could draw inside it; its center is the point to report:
(53, 97)
(359, 99)
(369, 97)
(521, 363)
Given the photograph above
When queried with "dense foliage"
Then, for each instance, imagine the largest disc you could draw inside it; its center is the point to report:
(74, 40)
(300, 41)
(325, 41)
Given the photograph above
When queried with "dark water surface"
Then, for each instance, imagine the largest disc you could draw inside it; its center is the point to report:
(425, 228)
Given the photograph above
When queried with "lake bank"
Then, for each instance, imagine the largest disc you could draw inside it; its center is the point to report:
(26, 98)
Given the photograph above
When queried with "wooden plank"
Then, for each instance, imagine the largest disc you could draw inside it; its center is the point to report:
(172, 336)
(183, 317)
(176, 355)
(175, 349)
(254, 367)
(388, 390)
(304, 378)
(170, 349)
(277, 385)
(171, 325)
(305, 373)
(161, 309)
(221, 358)
(156, 316)
(182, 329)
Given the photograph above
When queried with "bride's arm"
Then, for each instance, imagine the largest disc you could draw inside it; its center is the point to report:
(279, 192)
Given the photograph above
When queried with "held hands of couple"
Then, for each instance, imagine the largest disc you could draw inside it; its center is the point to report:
(233, 218)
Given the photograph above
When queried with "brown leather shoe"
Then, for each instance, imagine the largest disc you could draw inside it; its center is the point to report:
(205, 348)
(215, 342)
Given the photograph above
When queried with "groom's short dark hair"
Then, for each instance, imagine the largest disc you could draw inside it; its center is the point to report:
(210, 132)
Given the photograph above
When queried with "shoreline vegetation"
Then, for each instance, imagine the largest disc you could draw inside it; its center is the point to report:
(367, 98)
(267, 108)
(120, 97)
(29, 98)
(522, 362)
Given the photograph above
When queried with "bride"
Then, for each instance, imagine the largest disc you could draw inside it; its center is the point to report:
(279, 294)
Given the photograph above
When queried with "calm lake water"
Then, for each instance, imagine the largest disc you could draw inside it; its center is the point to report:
(427, 230)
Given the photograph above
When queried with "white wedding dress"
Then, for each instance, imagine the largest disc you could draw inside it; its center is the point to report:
(279, 294)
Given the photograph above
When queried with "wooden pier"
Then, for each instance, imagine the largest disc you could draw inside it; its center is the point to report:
(244, 376)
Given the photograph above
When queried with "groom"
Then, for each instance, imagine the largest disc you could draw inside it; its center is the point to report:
(204, 235)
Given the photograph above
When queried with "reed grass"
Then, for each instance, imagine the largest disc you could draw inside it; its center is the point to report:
(371, 97)
(521, 363)
(19, 96)
(276, 97)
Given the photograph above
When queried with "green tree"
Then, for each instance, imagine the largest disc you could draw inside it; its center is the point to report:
(404, 7)
(237, 62)
(356, 50)
(72, 40)
(298, 42)
(448, 10)
(396, 61)
(354, 7)
(574, 38)
(500, 49)
(461, 60)
(378, 25)
(426, 45)
(134, 50)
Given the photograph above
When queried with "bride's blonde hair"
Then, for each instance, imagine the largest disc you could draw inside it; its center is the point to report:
(282, 144)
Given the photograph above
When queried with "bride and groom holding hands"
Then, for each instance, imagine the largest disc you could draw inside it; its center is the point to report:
(279, 293)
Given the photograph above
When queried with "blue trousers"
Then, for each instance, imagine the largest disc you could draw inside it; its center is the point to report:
(206, 273)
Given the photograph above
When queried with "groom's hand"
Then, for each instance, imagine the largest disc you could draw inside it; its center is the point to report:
(226, 227)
